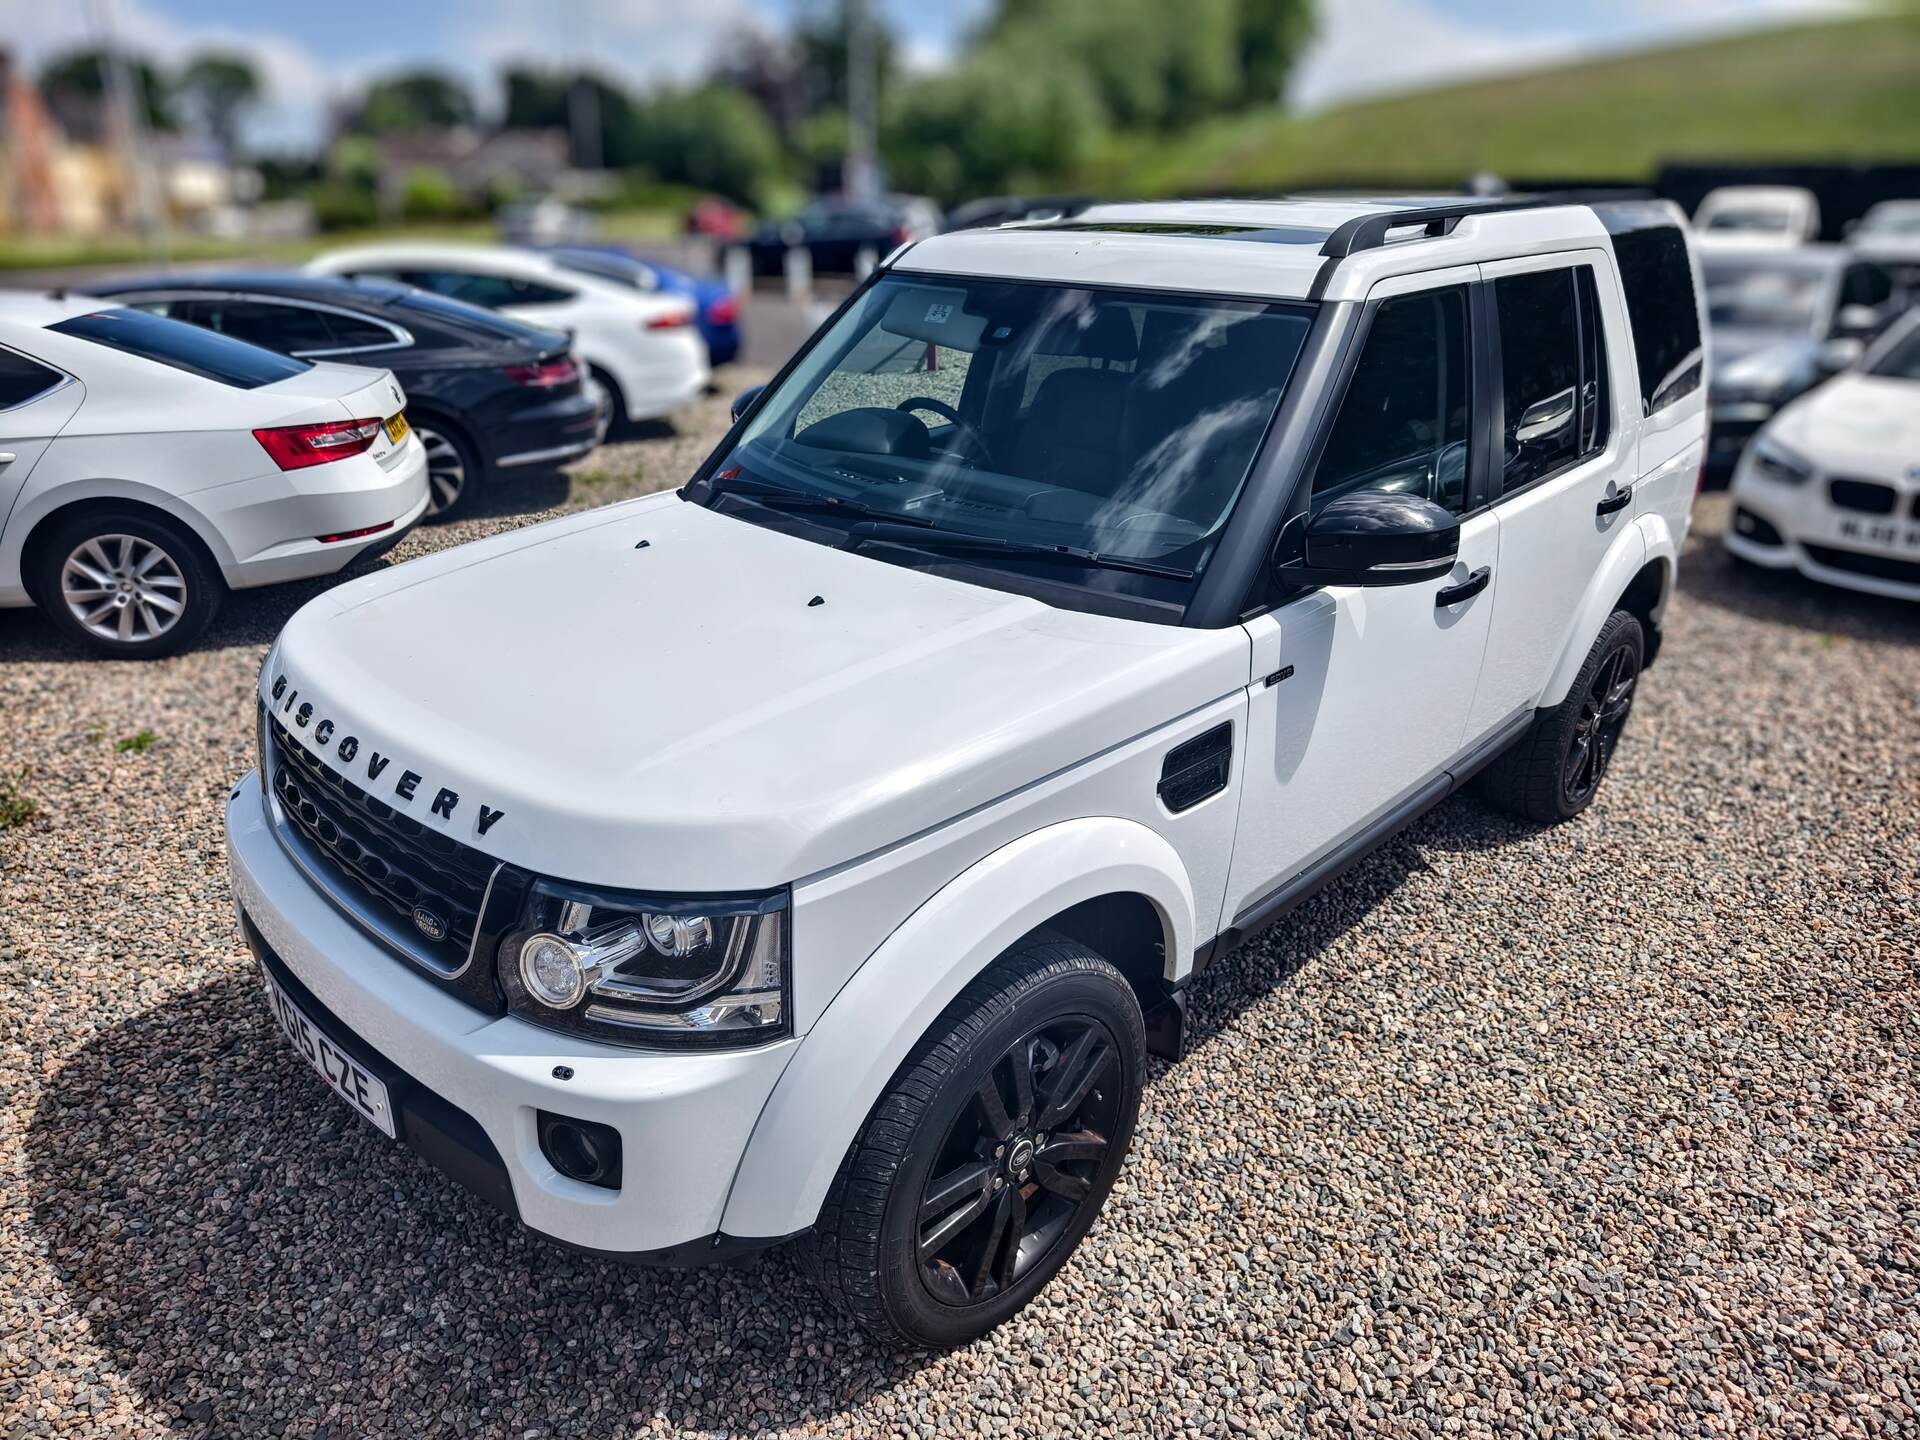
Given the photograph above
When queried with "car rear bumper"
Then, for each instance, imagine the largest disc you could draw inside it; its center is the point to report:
(277, 527)
(560, 430)
(467, 1087)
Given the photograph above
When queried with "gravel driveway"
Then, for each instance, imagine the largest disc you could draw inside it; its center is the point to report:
(1605, 1129)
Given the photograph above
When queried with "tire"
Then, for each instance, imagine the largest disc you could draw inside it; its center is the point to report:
(1553, 772)
(616, 398)
(108, 578)
(1052, 1010)
(455, 472)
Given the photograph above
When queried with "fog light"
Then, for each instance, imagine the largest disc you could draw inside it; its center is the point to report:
(550, 969)
(582, 1150)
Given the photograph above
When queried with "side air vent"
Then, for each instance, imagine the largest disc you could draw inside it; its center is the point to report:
(1197, 768)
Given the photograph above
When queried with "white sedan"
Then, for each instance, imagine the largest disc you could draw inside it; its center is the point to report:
(644, 350)
(148, 466)
(1831, 487)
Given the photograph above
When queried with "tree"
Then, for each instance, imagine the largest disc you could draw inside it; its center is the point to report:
(544, 100)
(711, 137)
(821, 40)
(414, 100)
(217, 88)
(75, 85)
(986, 127)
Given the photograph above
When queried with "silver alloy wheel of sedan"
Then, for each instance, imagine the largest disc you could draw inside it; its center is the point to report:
(446, 470)
(123, 587)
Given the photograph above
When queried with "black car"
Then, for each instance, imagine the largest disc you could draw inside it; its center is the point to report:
(485, 393)
(837, 232)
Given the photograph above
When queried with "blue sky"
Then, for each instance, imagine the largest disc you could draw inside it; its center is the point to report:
(314, 53)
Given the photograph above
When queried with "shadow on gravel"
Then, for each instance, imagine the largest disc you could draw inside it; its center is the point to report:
(1785, 597)
(257, 1261)
(249, 1254)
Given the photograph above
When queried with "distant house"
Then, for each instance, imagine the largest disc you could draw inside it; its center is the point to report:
(49, 185)
(478, 163)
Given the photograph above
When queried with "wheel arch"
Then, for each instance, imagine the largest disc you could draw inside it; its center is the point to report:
(1096, 876)
(58, 511)
(1631, 566)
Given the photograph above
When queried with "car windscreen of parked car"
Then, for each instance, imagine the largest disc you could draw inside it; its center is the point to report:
(598, 263)
(1902, 359)
(184, 347)
(1764, 294)
(1110, 421)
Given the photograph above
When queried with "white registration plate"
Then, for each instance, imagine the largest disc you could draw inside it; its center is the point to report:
(1890, 531)
(351, 1082)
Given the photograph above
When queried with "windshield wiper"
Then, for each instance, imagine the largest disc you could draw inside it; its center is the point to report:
(781, 497)
(938, 539)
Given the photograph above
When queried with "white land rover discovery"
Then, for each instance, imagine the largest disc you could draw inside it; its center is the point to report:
(818, 852)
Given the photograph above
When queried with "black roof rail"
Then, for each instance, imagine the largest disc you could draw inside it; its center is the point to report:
(1369, 232)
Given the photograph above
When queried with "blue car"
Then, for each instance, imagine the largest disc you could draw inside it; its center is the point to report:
(718, 307)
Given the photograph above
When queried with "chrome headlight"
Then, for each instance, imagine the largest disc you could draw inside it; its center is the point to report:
(649, 969)
(1773, 461)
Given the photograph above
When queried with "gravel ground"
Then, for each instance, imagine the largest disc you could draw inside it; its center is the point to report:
(1608, 1129)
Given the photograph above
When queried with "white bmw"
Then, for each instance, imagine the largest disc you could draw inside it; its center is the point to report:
(1831, 487)
(148, 466)
(643, 350)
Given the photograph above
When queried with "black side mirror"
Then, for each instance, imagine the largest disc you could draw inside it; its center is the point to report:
(745, 398)
(1376, 537)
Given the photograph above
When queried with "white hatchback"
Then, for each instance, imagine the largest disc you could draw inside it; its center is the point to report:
(147, 466)
(643, 350)
(1831, 487)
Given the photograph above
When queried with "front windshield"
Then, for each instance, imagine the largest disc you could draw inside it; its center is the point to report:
(1892, 220)
(1765, 295)
(1902, 359)
(1748, 222)
(1111, 421)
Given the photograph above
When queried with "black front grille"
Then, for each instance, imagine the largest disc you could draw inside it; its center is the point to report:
(1880, 567)
(1869, 497)
(390, 857)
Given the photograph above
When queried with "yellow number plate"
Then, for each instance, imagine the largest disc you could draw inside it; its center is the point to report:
(397, 428)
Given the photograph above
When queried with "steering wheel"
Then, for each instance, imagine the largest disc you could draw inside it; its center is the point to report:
(968, 431)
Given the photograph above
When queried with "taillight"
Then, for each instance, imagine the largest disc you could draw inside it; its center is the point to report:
(545, 376)
(672, 320)
(723, 311)
(294, 447)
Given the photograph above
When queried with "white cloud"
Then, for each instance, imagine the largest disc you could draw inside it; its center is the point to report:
(641, 42)
(297, 86)
(1368, 47)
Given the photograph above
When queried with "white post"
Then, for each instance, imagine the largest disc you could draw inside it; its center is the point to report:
(799, 268)
(864, 260)
(736, 263)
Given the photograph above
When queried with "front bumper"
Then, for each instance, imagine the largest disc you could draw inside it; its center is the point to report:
(684, 1117)
(1798, 527)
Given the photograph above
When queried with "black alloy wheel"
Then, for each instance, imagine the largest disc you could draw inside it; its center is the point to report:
(1019, 1161)
(1596, 730)
(1554, 770)
(989, 1154)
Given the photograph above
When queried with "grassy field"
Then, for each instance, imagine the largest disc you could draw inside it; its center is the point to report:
(52, 252)
(1847, 91)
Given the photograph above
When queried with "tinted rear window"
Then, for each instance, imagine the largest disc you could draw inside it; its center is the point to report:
(1661, 305)
(473, 318)
(184, 347)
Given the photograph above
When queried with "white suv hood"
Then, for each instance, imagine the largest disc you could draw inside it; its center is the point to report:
(682, 715)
